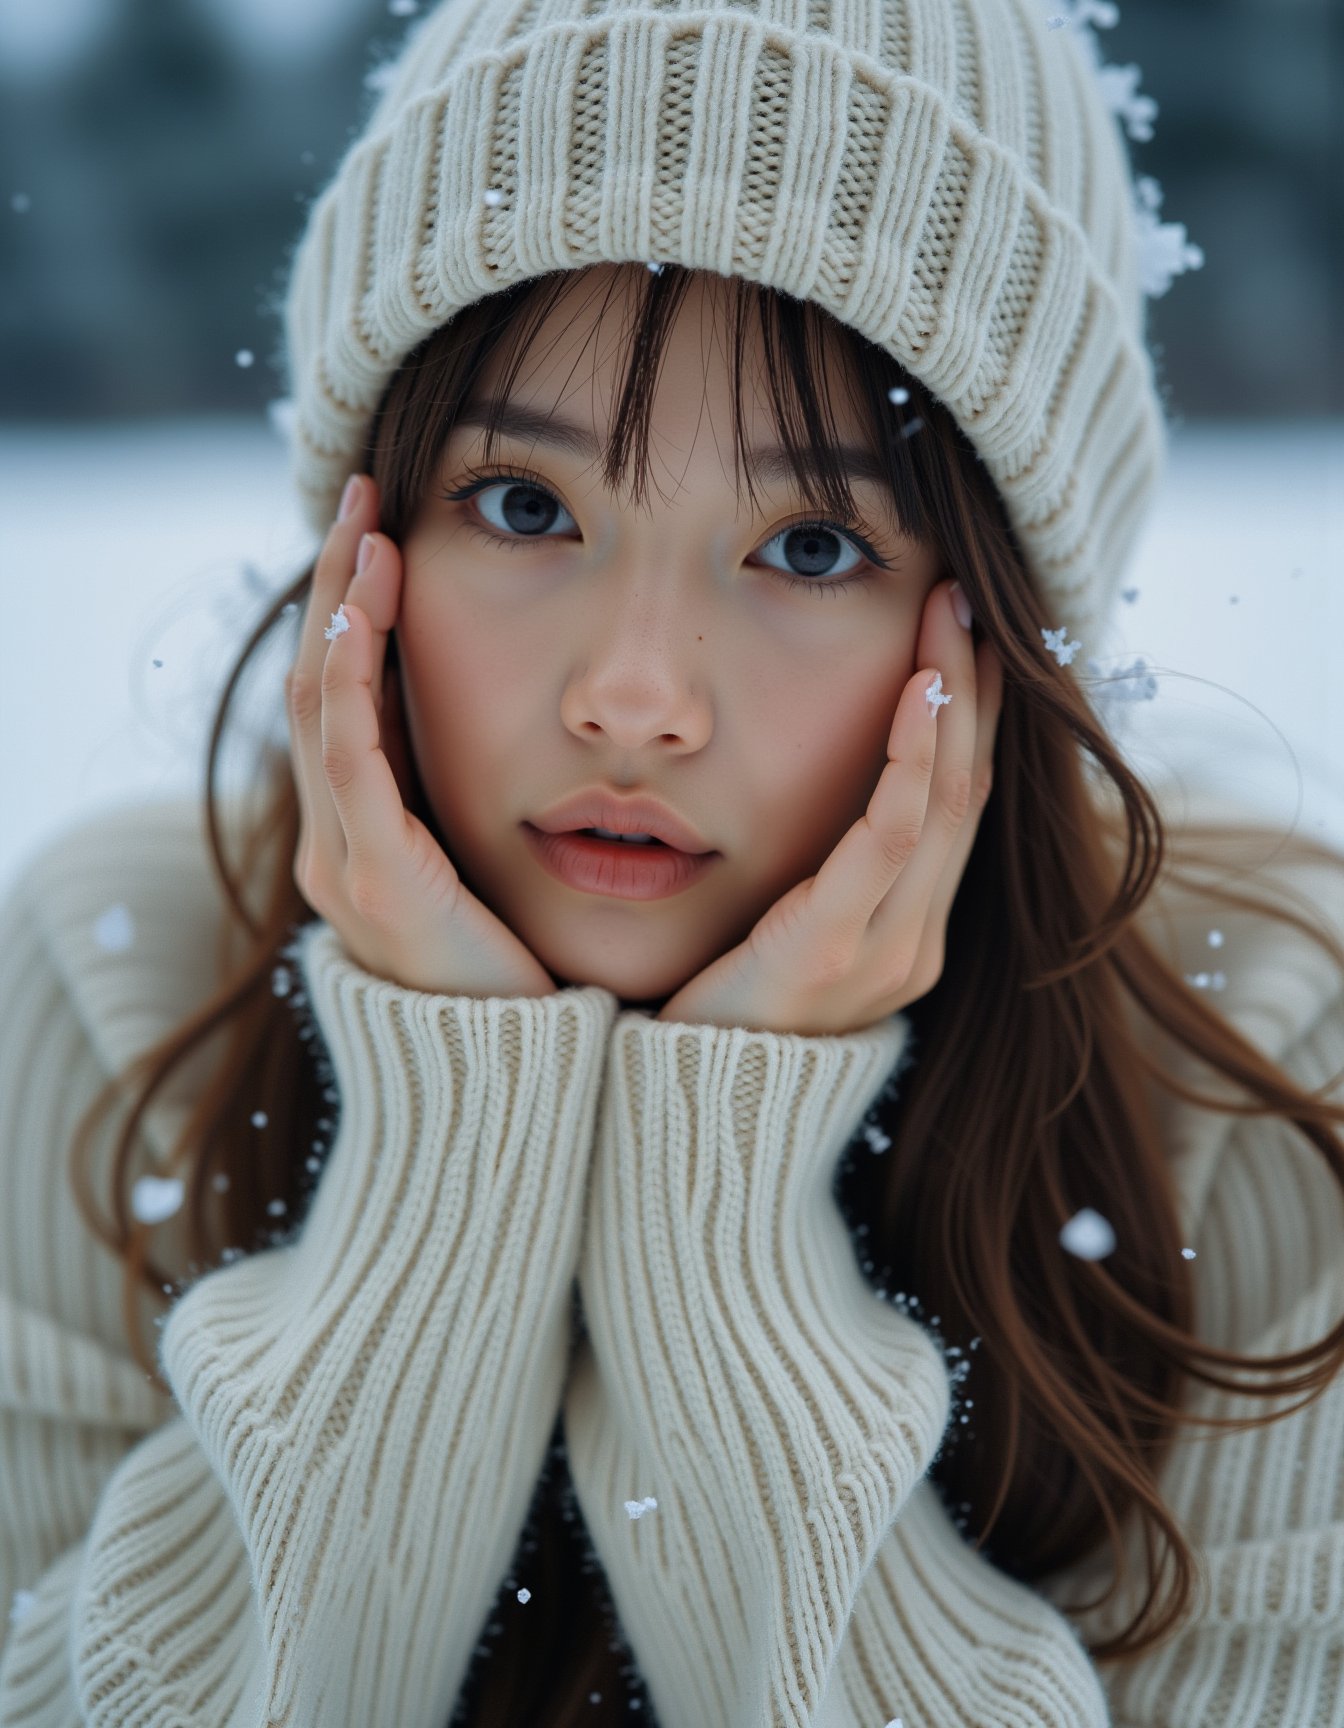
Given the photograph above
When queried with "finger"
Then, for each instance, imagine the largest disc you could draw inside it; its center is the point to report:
(362, 787)
(923, 897)
(887, 848)
(322, 835)
(376, 590)
(860, 871)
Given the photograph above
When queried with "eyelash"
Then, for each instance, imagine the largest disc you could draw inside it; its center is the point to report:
(815, 585)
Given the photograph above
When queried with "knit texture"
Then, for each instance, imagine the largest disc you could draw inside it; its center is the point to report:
(312, 1530)
(946, 179)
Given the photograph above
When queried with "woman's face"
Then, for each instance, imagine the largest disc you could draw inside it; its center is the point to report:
(658, 651)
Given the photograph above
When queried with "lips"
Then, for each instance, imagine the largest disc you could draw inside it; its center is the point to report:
(598, 808)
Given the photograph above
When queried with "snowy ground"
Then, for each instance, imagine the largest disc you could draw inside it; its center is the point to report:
(124, 546)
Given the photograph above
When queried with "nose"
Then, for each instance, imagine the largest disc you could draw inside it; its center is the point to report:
(644, 675)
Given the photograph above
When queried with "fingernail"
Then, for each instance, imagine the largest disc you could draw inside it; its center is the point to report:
(350, 497)
(366, 551)
(961, 606)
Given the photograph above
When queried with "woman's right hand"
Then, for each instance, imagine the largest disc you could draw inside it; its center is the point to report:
(365, 863)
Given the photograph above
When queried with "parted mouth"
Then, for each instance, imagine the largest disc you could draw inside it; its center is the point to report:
(594, 810)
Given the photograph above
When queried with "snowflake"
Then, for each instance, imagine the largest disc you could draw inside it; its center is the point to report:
(281, 414)
(155, 1198)
(339, 624)
(637, 1508)
(114, 931)
(1088, 1235)
(1120, 87)
(1054, 642)
(1164, 251)
(381, 76)
(1131, 684)
(934, 695)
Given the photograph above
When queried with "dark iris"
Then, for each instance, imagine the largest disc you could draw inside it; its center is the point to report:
(810, 544)
(536, 516)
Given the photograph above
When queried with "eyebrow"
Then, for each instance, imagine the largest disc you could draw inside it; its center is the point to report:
(767, 463)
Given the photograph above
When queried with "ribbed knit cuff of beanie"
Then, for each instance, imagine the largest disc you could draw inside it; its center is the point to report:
(961, 197)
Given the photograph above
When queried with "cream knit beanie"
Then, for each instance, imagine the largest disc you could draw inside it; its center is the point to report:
(947, 177)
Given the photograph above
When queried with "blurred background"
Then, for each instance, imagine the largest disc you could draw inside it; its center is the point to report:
(157, 158)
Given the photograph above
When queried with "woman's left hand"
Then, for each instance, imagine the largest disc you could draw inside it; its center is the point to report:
(865, 936)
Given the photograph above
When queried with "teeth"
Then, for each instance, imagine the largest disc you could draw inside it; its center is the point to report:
(633, 839)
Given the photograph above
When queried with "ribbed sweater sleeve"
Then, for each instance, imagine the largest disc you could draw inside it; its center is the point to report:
(316, 1540)
(798, 1568)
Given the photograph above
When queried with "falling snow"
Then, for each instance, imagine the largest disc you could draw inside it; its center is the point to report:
(1215, 938)
(281, 413)
(259, 1118)
(637, 1508)
(154, 1198)
(1088, 1235)
(524, 1595)
(244, 358)
(1054, 642)
(1164, 251)
(1120, 86)
(22, 1606)
(114, 930)
(493, 197)
(898, 395)
(339, 624)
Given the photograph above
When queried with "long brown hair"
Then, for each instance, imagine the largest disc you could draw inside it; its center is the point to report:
(1047, 978)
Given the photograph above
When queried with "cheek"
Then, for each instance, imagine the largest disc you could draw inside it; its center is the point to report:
(821, 747)
(461, 676)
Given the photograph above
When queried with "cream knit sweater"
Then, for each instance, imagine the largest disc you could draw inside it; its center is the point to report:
(312, 1531)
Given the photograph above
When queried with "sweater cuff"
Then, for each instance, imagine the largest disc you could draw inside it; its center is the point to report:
(712, 1207)
(464, 1134)
(775, 1108)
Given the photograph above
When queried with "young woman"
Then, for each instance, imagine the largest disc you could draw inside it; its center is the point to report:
(786, 1266)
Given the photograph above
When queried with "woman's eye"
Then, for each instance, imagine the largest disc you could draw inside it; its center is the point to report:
(527, 511)
(815, 547)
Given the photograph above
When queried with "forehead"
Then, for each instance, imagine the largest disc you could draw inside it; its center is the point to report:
(552, 375)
